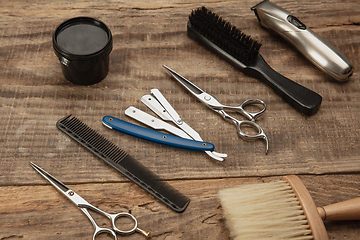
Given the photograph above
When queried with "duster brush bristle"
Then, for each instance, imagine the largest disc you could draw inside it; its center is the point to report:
(264, 211)
(280, 210)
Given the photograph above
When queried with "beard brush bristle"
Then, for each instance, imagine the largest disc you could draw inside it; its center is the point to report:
(224, 35)
(264, 211)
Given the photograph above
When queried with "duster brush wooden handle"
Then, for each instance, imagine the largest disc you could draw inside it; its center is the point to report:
(347, 210)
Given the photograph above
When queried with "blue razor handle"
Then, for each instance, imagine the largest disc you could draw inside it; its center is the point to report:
(155, 136)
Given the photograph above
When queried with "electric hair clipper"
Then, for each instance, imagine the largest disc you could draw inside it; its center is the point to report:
(316, 49)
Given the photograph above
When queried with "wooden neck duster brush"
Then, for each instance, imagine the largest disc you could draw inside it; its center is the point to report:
(280, 210)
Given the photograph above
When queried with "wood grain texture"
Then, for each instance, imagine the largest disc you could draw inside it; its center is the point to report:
(148, 34)
(43, 213)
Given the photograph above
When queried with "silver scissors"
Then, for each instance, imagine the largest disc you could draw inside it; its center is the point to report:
(83, 205)
(216, 106)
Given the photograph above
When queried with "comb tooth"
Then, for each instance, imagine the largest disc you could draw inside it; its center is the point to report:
(88, 134)
(117, 160)
(97, 139)
(108, 150)
(66, 122)
(100, 144)
(74, 125)
(70, 124)
(113, 153)
(119, 156)
(93, 138)
(83, 131)
(116, 153)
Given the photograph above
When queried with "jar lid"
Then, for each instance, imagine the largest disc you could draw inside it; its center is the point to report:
(82, 38)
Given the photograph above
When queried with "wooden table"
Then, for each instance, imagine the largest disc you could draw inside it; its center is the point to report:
(323, 150)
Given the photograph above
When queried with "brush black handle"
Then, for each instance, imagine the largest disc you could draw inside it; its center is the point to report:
(299, 97)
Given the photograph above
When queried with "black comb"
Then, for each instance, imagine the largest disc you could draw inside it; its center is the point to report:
(242, 52)
(123, 162)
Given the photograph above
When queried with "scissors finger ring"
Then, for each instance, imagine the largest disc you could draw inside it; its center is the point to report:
(260, 134)
(250, 115)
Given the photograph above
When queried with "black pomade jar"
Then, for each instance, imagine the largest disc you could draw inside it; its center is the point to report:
(83, 46)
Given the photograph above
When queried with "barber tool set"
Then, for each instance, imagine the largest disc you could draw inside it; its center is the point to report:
(281, 210)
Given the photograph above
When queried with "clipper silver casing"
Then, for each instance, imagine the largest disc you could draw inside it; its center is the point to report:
(313, 47)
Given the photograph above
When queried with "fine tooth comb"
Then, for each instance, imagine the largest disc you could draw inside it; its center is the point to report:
(242, 52)
(123, 162)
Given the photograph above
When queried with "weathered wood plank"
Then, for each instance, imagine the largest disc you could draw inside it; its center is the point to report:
(43, 213)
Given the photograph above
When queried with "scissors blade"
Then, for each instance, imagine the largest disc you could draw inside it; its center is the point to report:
(70, 194)
(206, 98)
(56, 183)
(186, 83)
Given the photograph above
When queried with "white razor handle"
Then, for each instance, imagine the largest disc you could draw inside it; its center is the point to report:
(312, 46)
(154, 122)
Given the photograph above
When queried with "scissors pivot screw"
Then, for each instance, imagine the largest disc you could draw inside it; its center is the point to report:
(71, 193)
(207, 98)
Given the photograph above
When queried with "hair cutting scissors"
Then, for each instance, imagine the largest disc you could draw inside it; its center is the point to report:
(216, 106)
(83, 205)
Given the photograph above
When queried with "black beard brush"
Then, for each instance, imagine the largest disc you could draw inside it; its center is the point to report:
(242, 52)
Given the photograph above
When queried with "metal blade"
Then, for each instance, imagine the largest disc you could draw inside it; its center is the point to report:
(156, 107)
(166, 105)
(186, 83)
(153, 122)
(175, 116)
(56, 183)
